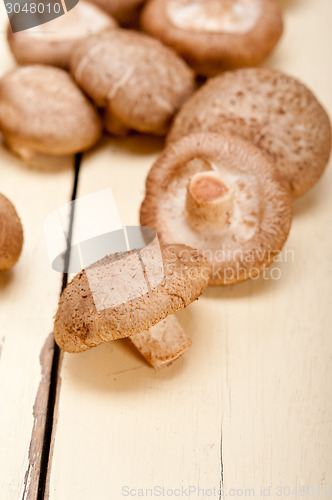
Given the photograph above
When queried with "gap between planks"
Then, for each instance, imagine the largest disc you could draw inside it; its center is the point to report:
(36, 477)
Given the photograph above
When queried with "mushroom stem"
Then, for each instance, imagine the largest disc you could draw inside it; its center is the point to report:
(209, 202)
(163, 343)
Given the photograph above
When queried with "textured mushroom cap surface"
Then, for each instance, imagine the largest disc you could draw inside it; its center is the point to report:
(79, 326)
(43, 111)
(11, 234)
(214, 35)
(262, 209)
(275, 111)
(121, 9)
(134, 76)
(52, 42)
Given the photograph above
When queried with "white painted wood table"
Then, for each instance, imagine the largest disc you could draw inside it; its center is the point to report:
(247, 410)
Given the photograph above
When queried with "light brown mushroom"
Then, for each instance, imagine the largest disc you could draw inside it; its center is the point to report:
(224, 196)
(43, 111)
(53, 42)
(214, 35)
(273, 110)
(123, 10)
(11, 234)
(79, 325)
(140, 82)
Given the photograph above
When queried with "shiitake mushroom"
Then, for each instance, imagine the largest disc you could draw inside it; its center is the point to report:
(11, 234)
(139, 82)
(221, 194)
(53, 42)
(214, 35)
(79, 326)
(43, 111)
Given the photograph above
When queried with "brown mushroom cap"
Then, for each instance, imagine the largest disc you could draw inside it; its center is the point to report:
(120, 9)
(214, 35)
(11, 234)
(221, 195)
(53, 42)
(273, 110)
(139, 81)
(43, 111)
(79, 326)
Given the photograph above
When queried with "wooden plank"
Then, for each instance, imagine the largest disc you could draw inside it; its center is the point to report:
(249, 406)
(28, 298)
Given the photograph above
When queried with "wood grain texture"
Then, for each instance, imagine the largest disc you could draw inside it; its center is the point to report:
(28, 299)
(249, 406)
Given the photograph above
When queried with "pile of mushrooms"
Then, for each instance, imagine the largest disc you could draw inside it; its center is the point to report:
(42, 110)
(273, 110)
(11, 234)
(239, 150)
